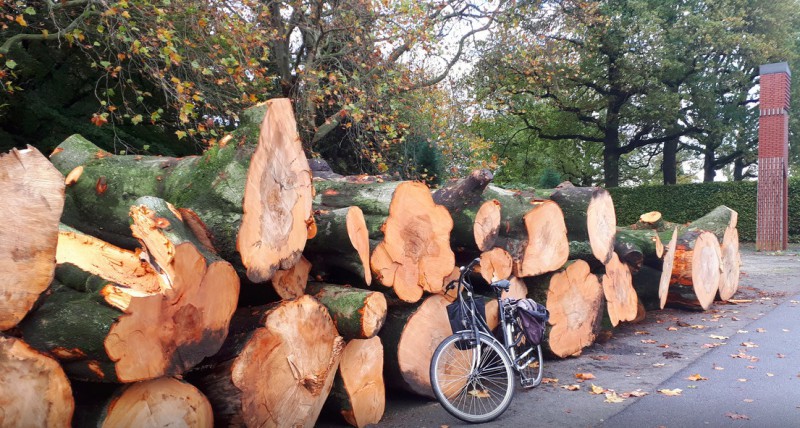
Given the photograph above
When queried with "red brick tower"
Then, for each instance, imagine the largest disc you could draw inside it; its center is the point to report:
(773, 158)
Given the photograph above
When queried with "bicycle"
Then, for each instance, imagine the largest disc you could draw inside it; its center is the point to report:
(472, 371)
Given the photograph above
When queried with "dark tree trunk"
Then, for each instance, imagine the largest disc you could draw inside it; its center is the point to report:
(611, 158)
(738, 169)
(709, 172)
(669, 164)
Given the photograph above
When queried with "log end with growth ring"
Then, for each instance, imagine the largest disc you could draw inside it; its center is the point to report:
(32, 191)
(277, 198)
(163, 402)
(487, 224)
(706, 269)
(547, 247)
(35, 391)
(361, 373)
(415, 254)
(291, 283)
(286, 370)
(621, 299)
(496, 264)
(650, 217)
(601, 222)
(731, 263)
(666, 269)
(359, 238)
(575, 302)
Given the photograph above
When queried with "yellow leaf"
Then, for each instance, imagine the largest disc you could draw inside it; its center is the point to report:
(584, 376)
(612, 397)
(714, 336)
(549, 380)
(479, 394)
(671, 392)
(21, 20)
(571, 387)
(597, 390)
(637, 393)
(696, 377)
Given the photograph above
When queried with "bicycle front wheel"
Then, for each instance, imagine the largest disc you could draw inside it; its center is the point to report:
(472, 379)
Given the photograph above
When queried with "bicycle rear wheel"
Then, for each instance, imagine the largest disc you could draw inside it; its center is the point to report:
(472, 379)
(528, 358)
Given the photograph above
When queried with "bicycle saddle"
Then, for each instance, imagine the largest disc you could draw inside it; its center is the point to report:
(503, 284)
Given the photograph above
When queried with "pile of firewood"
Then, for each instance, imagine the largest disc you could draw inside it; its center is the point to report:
(241, 288)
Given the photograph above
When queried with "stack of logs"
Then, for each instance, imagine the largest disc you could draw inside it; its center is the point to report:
(240, 288)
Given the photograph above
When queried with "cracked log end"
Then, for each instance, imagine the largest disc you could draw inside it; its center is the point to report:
(496, 264)
(159, 402)
(287, 367)
(32, 191)
(361, 396)
(36, 392)
(575, 302)
(547, 247)
(415, 255)
(487, 224)
(359, 238)
(277, 198)
(666, 269)
(291, 283)
(621, 299)
(601, 223)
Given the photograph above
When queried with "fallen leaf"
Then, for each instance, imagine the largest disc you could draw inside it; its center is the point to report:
(596, 390)
(749, 345)
(650, 341)
(697, 326)
(479, 394)
(549, 380)
(740, 301)
(600, 357)
(641, 333)
(714, 336)
(663, 345)
(741, 379)
(770, 374)
(785, 330)
(742, 331)
(637, 393)
(571, 387)
(750, 367)
(748, 400)
(734, 319)
(659, 364)
(761, 330)
(719, 368)
(696, 377)
(736, 416)
(781, 356)
(672, 328)
(671, 392)
(612, 397)
(711, 345)
(584, 376)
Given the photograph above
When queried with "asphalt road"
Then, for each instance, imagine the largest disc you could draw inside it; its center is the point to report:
(759, 387)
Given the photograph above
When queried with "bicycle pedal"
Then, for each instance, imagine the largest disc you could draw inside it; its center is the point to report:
(527, 383)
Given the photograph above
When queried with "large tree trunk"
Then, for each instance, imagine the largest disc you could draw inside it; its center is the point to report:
(359, 393)
(590, 217)
(358, 314)
(669, 162)
(136, 329)
(574, 297)
(32, 192)
(638, 247)
(410, 336)
(276, 368)
(340, 250)
(531, 230)
(163, 402)
(34, 390)
(260, 193)
(415, 254)
(696, 270)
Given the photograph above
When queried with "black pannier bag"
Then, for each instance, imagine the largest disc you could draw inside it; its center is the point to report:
(533, 316)
(458, 314)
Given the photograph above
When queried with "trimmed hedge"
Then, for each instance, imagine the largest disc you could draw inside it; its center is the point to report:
(686, 202)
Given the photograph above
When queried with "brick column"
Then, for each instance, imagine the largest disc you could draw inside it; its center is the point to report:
(773, 158)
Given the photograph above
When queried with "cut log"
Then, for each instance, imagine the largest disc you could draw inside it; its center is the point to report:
(621, 299)
(358, 314)
(34, 390)
(487, 224)
(666, 269)
(359, 394)
(517, 290)
(410, 336)
(496, 264)
(463, 199)
(636, 247)
(574, 297)
(696, 270)
(213, 185)
(589, 215)
(532, 231)
(276, 367)
(138, 328)
(32, 191)
(291, 283)
(159, 402)
(731, 262)
(341, 248)
(277, 197)
(415, 254)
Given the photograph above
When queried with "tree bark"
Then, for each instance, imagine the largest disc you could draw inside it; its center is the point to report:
(255, 198)
(415, 254)
(358, 314)
(32, 191)
(669, 163)
(340, 250)
(276, 368)
(638, 247)
(359, 393)
(136, 330)
(589, 215)
(35, 392)
(574, 297)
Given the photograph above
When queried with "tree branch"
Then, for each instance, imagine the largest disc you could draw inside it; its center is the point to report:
(19, 38)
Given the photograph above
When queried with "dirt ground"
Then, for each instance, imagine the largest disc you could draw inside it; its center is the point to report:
(634, 357)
